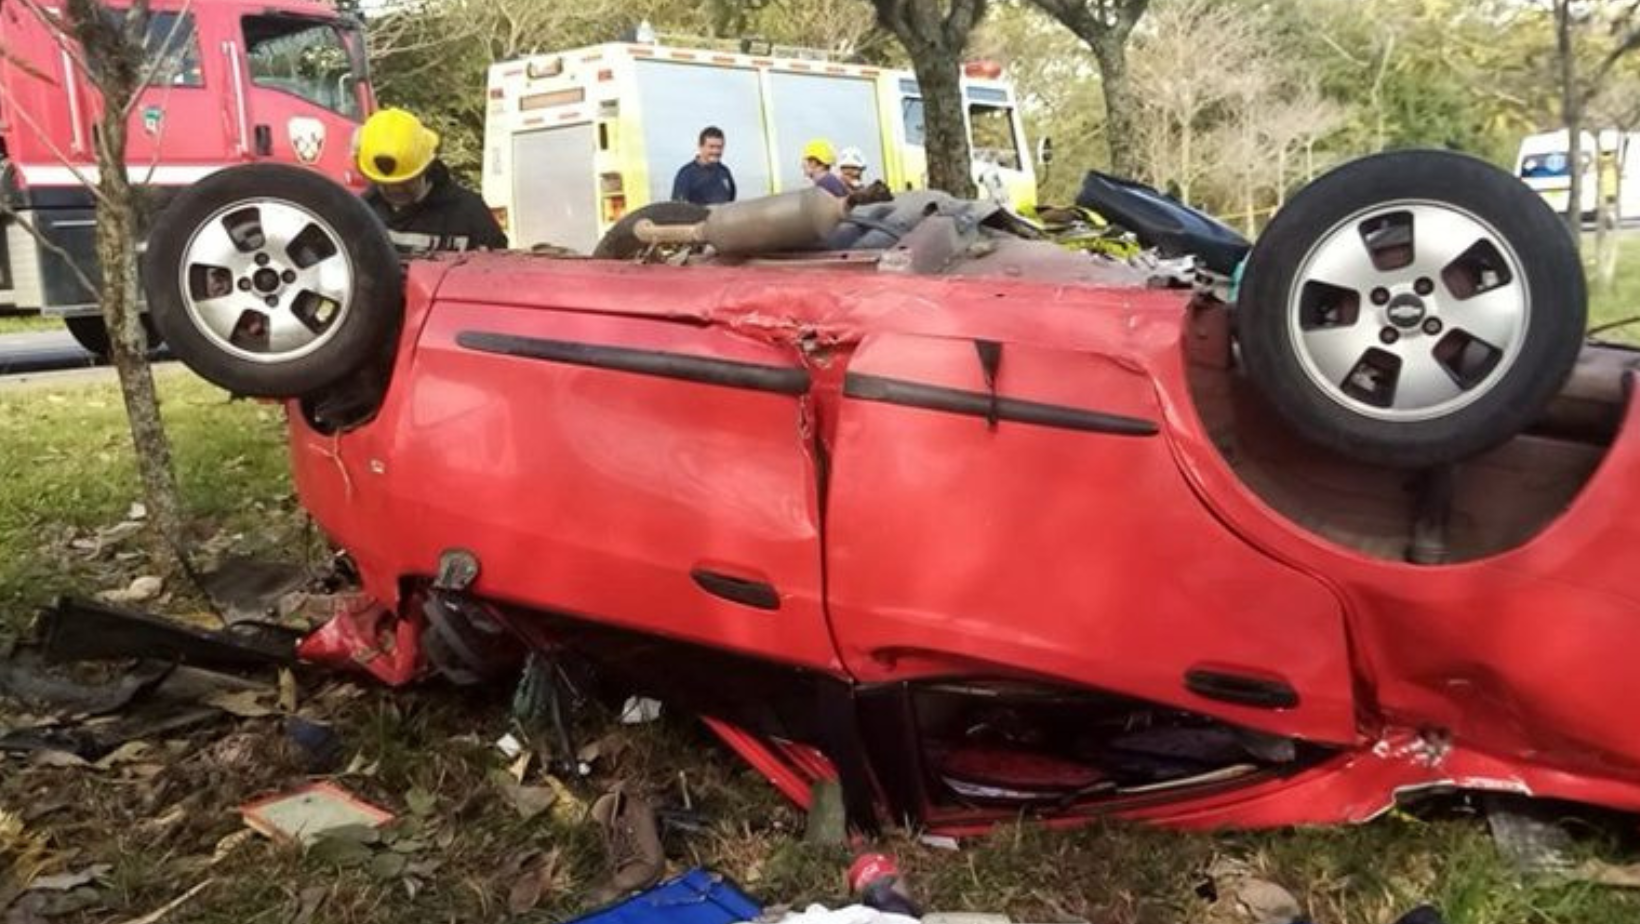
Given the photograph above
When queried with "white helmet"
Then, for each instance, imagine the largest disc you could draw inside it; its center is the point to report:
(851, 157)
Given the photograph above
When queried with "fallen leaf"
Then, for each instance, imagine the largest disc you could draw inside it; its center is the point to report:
(424, 868)
(420, 801)
(128, 753)
(308, 902)
(529, 801)
(358, 834)
(287, 690)
(409, 845)
(64, 882)
(387, 865)
(339, 852)
(142, 589)
(243, 703)
(58, 759)
(525, 893)
(520, 767)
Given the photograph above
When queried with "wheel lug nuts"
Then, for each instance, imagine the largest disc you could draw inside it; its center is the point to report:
(1380, 295)
(289, 276)
(1389, 335)
(1432, 326)
(261, 259)
(271, 302)
(1423, 286)
(244, 285)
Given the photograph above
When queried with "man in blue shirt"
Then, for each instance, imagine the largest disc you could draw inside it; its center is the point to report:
(706, 180)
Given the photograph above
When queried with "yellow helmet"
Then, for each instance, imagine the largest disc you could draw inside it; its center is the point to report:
(395, 147)
(821, 150)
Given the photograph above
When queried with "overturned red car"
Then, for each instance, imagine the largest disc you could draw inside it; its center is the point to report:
(904, 494)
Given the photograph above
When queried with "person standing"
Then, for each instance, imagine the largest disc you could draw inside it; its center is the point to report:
(706, 180)
(413, 193)
(818, 156)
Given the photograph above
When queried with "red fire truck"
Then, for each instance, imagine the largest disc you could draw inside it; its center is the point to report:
(234, 81)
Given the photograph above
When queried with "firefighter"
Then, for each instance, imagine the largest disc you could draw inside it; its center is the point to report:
(818, 156)
(413, 193)
(851, 164)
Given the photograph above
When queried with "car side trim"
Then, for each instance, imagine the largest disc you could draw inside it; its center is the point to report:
(978, 404)
(780, 380)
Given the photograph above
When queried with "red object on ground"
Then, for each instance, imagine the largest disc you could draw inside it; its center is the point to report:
(367, 636)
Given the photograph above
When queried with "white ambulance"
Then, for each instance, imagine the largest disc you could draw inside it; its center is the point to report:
(1542, 163)
(575, 139)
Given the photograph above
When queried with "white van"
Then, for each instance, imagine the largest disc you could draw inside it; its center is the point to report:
(574, 140)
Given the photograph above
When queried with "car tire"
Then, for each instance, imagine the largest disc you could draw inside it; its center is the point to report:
(89, 331)
(1412, 308)
(621, 242)
(272, 281)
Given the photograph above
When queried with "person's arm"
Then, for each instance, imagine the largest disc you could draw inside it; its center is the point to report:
(680, 185)
(733, 192)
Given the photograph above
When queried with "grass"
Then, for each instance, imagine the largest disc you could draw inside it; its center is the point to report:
(22, 323)
(1622, 298)
(70, 474)
(424, 754)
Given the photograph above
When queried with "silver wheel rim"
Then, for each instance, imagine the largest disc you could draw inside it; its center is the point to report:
(1408, 311)
(266, 280)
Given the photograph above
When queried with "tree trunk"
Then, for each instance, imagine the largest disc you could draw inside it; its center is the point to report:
(116, 57)
(1606, 262)
(950, 161)
(1186, 139)
(1120, 106)
(1249, 205)
(1571, 112)
(1281, 177)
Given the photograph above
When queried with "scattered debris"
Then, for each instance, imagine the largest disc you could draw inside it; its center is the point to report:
(538, 874)
(1527, 837)
(640, 710)
(318, 744)
(509, 746)
(251, 589)
(939, 842)
(696, 897)
(311, 812)
(874, 879)
(853, 914)
(81, 630)
(1599, 872)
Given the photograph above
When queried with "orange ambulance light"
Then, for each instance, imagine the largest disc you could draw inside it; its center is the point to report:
(983, 68)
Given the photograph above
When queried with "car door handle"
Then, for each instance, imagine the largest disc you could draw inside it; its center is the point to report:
(757, 594)
(1241, 689)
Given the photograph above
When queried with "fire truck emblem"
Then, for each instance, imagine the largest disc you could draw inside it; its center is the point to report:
(307, 138)
(152, 116)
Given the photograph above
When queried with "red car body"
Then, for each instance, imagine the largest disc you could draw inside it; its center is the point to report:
(870, 484)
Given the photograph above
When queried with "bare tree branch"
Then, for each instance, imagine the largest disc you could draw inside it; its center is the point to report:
(159, 57)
